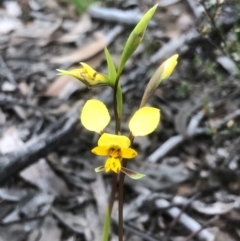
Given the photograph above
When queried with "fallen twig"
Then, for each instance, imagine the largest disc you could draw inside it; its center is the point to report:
(117, 15)
(210, 221)
(192, 131)
(174, 141)
(185, 220)
(13, 163)
(8, 73)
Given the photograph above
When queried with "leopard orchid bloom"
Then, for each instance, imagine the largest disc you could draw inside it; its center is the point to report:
(95, 117)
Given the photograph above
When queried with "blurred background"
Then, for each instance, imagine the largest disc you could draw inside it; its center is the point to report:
(49, 190)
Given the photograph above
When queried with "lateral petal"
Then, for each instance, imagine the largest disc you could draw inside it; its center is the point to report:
(128, 153)
(100, 150)
(95, 116)
(144, 121)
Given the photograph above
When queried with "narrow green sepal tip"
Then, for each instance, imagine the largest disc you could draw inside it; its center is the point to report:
(99, 169)
(132, 174)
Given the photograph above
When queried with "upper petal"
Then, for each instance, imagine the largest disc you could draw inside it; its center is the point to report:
(144, 121)
(128, 153)
(95, 116)
(113, 140)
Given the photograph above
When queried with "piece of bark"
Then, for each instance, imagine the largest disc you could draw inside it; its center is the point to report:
(38, 147)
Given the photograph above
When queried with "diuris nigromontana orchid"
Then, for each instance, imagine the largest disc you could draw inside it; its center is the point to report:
(95, 117)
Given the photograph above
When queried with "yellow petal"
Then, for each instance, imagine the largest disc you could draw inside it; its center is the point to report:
(95, 116)
(87, 75)
(115, 165)
(93, 77)
(144, 121)
(128, 153)
(168, 66)
(107, 165)
(113, 140)
(101, 150)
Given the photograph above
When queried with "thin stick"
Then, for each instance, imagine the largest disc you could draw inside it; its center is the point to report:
(210, 221)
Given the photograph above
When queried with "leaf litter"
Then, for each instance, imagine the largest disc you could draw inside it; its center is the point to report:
(193, 155)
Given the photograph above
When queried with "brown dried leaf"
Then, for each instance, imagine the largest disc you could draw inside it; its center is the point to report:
(63, 87)
(84, 52)
(42, 176)
(24, 88)
(82, 26)
(50, 230)
(216, 208)
(74, 222)
(39, 29)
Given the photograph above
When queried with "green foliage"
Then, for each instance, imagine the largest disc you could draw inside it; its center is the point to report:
(112, 73)
(208, 69)
(135, 38)
(230, 39)
(184, 88)
(81, 5)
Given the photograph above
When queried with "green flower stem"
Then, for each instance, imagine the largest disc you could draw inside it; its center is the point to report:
(120, 198)
(120, 203)
(113, 191)
(107, 219)
(106, 225)
(117, 105)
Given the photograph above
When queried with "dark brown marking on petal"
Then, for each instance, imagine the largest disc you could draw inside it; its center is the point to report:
(94, 75)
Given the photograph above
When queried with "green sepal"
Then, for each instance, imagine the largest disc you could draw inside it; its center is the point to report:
(135, 38)
(132, 174)
(112, 73)
(99, 169)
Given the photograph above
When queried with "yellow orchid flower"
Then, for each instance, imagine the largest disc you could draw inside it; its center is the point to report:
(87, 75)
(95, 117)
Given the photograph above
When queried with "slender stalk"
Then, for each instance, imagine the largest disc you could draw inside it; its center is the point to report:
(117, 118)
(114, 177)
(120, 203)
(113, 191)
(109, 209)
(120, 198)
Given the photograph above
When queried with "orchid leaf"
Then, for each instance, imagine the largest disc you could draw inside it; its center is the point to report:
(112, 73)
